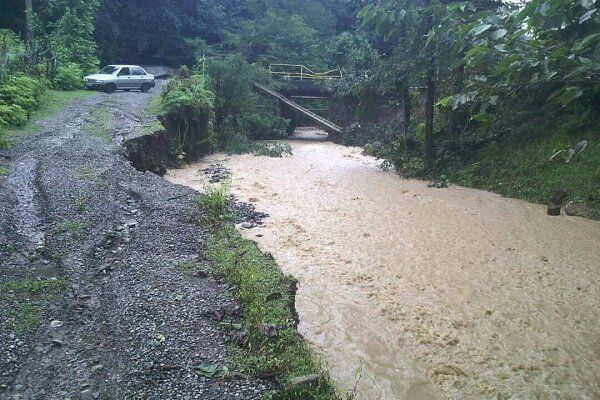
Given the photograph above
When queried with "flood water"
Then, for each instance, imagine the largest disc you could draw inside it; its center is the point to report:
(419, 293)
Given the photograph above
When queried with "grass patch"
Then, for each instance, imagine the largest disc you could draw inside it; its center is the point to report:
(86, 173)
(4, 171)
(51, 102)
(188, 267)
(526, 172)
(23, 301)
(67, 226)
(270, 345)
(99, 125)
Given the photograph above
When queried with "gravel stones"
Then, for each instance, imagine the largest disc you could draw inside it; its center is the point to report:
(131, 323)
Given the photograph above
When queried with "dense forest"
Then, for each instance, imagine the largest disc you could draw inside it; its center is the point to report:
(500, 95)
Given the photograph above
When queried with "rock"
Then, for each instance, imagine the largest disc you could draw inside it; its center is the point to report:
(201, 274)
(86, 395)
(270, 330)
(449, 370)
(19, 388)
(97, 368)
(305, 380)
(369, 150)
(556, 199)
(553, 209)
(56, 324)
(131, 223)
(57, 342)
(573, 209)
(247, 225)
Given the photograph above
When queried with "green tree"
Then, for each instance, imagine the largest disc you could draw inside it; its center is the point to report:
(73, 33)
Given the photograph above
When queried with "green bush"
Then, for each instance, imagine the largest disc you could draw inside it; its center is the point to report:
(12, 115)
(22, 91)
(188, 115)
(68, 77)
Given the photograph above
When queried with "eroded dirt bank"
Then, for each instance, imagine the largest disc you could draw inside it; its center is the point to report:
(130, 325)
(453, 293)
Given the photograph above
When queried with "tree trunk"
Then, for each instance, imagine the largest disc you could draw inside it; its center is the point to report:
(429, 102)
(430, 99)
(406, 101)
(29, 24)
(455, 115)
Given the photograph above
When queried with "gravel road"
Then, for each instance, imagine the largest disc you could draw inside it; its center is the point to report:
(131, 325)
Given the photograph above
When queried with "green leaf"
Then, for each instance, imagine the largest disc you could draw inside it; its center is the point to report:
(206, 370)
(586, 16)
(498, 33)
(430, 36)
(479, 29)
(586, 41)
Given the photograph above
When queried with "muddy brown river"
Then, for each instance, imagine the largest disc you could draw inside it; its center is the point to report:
(419, 293)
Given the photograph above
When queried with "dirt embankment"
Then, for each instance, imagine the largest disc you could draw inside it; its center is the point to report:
(123, 321)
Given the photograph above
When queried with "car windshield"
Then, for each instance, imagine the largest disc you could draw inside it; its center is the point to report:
(109, 69)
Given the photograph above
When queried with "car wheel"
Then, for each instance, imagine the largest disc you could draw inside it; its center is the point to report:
(111, 87)
(145, 87)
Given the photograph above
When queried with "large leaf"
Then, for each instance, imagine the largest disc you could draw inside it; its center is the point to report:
(587, 16)
(479, 29)
(586, 41)
(498, 33)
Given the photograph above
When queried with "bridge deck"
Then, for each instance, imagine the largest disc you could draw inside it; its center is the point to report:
(315, 117)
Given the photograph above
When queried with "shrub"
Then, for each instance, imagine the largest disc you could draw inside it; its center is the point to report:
(68, 77)
(188, 114)
(19, 94)
(12, 115)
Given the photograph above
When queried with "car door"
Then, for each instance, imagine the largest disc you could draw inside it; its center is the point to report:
(137, 77)
(124, 78)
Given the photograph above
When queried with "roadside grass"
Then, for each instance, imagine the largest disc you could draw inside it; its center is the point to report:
(526, 171)
(50, 102)
(4, 171)
(23, 301)
(270, 345)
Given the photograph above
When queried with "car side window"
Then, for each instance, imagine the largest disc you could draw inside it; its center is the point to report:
(137, 71)
(124, 72)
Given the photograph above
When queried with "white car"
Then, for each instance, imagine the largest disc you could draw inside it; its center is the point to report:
(122, 77)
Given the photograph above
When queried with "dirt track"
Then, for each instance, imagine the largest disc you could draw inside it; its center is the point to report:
(130, 325)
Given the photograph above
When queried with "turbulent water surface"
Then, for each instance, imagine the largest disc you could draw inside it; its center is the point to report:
(420, 293)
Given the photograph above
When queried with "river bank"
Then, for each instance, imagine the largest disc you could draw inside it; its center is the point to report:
(435, 292)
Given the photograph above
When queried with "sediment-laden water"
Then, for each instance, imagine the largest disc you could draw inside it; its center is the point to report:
(421, 293)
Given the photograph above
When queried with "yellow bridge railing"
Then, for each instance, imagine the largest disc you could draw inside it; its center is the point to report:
(300, 72)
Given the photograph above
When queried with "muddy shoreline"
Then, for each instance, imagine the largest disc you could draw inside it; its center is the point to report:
(129, 324)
